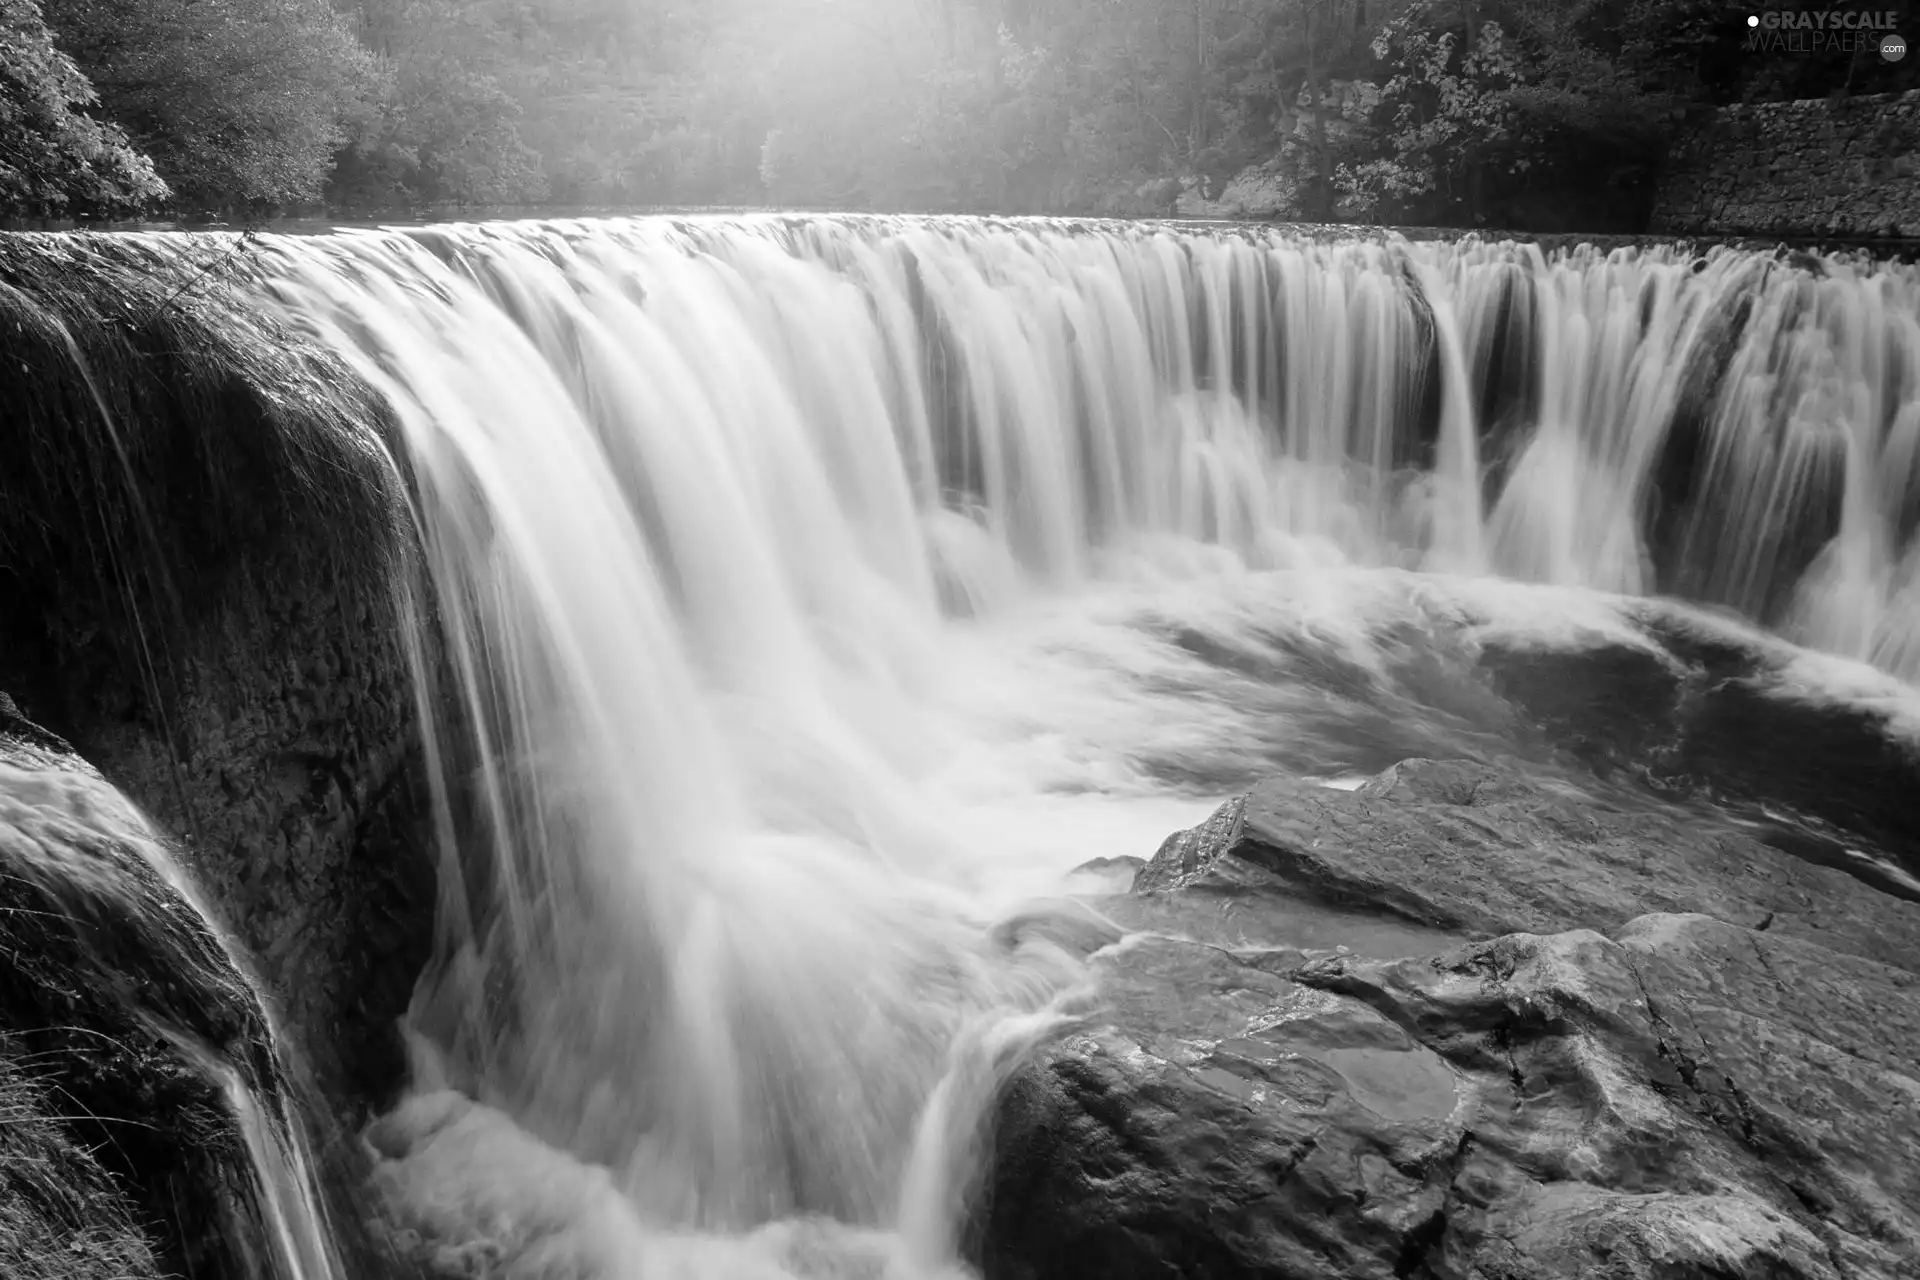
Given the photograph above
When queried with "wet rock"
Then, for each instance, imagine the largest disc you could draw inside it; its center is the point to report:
(1676, 1051)
(1713, 710)
(1686, 1099)
(280, 753)
(1218, 1124)
(200, 521)
(120, 1145)
(101, 952)
(1108, 875)
(1478, 849)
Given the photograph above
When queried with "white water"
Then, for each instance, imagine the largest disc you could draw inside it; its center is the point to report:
(816, 590)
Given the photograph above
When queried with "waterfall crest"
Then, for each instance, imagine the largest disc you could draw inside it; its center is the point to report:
(991, 406)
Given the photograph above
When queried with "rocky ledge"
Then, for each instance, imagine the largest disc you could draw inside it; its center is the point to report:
(1460, 1023)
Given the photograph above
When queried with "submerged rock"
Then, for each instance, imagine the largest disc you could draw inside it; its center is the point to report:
(1619, 1085)
(1821, 755)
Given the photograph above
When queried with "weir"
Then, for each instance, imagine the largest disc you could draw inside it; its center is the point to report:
(1001, 402)
(797, 596)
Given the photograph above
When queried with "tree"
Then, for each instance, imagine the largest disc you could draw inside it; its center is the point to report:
(54, 158)
(1528, 113)
(238, 102)
(443, 125)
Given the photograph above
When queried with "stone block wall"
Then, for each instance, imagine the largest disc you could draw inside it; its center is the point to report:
(1822, 167)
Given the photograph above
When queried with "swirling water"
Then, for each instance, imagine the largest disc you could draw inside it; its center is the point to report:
(802, 594)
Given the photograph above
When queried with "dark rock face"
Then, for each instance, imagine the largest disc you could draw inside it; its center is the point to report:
(1476, 849)
(1712, 713)
(1660, 1105)
(199, 523)
(106, 961)
(285, 762)
(1620, 1086)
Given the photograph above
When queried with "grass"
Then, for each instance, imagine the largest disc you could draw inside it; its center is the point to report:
(61, 1215)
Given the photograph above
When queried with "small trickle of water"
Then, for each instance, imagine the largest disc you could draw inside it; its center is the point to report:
(87, 849)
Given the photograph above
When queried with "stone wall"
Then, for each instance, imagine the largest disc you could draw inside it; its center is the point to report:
(1843, 167)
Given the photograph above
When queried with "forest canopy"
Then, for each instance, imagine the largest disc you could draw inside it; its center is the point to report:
(1514, 112)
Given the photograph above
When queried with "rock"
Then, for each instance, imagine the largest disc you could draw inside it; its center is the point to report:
(126, 1151)
(1213, 1127)
(1677, 1051)
(1477, 849)
(1793, 168)
(1686, 1099)
(200, 518)
(85, 926)
(1715, 710)
(1109, 875)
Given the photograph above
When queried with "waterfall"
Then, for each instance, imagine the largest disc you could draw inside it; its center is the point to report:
(782, 626)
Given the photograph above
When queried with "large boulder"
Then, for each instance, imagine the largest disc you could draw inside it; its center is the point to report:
(1687, 1099)
(1478, 849)
(1674, 1050)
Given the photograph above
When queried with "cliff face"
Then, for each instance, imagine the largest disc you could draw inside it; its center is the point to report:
(281, 752)
(199, 524)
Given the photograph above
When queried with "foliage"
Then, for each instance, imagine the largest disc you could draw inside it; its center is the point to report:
(1526, 102)
(53, 156)
(441, 126)
(1488, 110)
(238, 102)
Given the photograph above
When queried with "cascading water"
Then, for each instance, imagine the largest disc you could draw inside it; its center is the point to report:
(142, 935)
(804, 592)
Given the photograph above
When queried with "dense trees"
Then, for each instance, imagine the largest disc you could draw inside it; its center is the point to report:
(1523, 112)
(238, 102)
(54, 158)
(1475, 120)
(440, 126)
